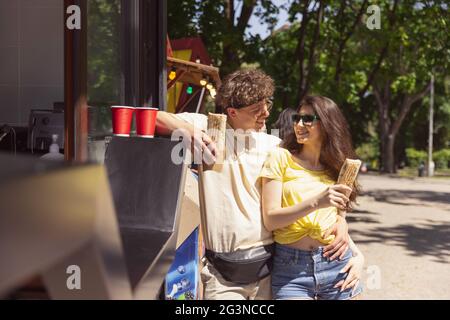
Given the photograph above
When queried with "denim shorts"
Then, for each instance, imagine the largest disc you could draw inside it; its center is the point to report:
(299, 274)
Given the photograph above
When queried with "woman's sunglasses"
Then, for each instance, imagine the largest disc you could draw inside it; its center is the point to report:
(307, 119)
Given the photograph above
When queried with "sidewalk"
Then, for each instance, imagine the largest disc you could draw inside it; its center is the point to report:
(402, 226)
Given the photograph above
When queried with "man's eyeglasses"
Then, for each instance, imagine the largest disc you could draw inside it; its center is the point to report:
(269, 104)
(260, 107)
(307, 119)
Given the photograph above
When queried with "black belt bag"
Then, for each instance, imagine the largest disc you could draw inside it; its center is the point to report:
(243, 266)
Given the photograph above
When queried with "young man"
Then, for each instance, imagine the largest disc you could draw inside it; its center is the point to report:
(238, 246)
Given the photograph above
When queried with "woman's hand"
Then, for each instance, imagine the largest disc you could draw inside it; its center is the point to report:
(335, 196)
(354, 269)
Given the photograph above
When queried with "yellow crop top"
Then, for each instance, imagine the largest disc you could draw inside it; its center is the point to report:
(299, 183)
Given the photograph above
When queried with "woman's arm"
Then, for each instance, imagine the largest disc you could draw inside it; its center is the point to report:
(276, 217)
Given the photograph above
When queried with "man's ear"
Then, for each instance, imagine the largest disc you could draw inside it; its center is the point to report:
(231, 112)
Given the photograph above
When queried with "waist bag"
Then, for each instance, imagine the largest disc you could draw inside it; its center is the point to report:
(243, 266)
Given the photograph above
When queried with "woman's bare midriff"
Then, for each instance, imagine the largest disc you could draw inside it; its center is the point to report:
(306, 243)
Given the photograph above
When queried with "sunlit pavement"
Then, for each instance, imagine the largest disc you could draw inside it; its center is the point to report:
(402, 226)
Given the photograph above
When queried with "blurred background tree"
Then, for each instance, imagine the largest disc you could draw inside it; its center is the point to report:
(222, 26)
(379, 77)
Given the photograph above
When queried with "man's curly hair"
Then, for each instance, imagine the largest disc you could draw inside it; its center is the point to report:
(243, 88)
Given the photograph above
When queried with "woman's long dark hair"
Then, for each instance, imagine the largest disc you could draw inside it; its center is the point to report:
(336, 138)
(285, 123)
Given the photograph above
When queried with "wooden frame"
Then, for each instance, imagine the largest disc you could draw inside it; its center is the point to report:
(144, 34)
(75, 86)
(193, 72)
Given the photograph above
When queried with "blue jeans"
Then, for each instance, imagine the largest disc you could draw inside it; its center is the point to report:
(299, 274)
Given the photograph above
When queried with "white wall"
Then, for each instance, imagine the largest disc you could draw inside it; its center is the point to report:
(31, 57)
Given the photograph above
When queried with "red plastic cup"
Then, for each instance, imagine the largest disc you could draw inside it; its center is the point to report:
(121, 119)
(146, 122)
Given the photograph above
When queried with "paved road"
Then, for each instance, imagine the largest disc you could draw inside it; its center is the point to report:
(403, 228)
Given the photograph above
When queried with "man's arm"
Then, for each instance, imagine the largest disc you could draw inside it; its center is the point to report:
(166, 123)
(354, 268)
(339, 246)
(341, 241)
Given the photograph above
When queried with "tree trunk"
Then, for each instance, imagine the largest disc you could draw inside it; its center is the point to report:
(388, 156)
(387, 145)
(387, 139)
(389, 129)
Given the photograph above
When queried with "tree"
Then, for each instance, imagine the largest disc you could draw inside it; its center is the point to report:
(359, 67)
(104, 63)
(320, 54)
(378, 77)
(222, 26)
(416, 123)
(419, 46)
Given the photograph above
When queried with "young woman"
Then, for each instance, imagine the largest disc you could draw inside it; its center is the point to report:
(301, 200)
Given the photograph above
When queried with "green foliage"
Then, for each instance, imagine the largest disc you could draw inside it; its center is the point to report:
(208, 20)
(441, 158)
(277, 51)
(404, 83)
(369, 153)
(442, 122)
(415, 157)
(103, 60)
(103, 52)
(417, 122)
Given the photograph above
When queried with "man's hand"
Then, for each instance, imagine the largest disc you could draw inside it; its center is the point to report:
(206, 147)
(201, 145)
(354, 268)
(339, 246)
(198, 142)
